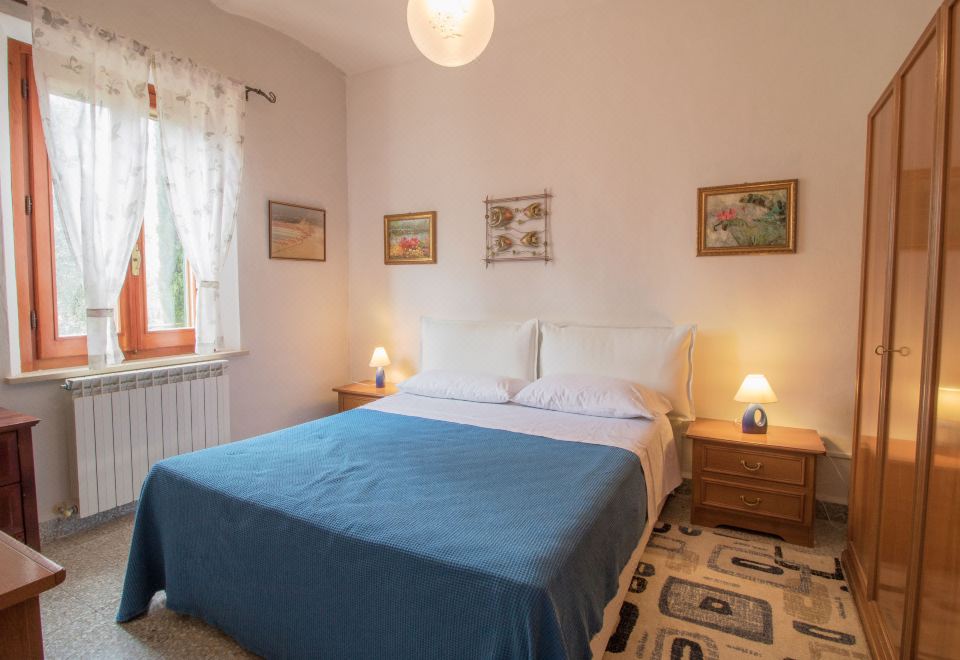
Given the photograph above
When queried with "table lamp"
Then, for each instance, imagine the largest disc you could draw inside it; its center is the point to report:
(380, 360)
(754, 391)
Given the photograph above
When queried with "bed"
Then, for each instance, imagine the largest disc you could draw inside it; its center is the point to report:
(414, 527)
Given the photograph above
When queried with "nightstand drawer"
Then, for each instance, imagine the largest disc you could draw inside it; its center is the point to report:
(754, 464)
(11, 510)
(755, 501)
(9, 458)
(351, 401)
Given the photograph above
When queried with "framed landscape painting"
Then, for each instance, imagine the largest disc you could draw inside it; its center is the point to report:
(297, 232)
(750, 218)
(410, 238)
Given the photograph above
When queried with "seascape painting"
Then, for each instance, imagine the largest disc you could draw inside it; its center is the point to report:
(410, 238)
(747, 218)
(297, 232)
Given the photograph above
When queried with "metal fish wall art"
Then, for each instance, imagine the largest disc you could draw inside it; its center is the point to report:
(531, 239)
(518, 228)
(500, 216)
(534, 211)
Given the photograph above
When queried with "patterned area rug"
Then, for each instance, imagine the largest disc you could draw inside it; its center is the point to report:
(703, 593)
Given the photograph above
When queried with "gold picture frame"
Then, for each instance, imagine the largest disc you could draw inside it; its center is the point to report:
(410, 238)
(748, 218)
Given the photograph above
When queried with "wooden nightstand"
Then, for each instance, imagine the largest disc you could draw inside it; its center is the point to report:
(355, 395)
(760, 482)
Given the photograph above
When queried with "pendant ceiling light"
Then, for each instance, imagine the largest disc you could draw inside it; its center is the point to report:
(450, 32)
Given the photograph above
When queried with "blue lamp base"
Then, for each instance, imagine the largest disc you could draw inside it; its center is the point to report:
(753, 423)
(381, 378)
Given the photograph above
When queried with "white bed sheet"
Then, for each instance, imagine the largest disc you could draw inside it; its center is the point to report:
(651, 440)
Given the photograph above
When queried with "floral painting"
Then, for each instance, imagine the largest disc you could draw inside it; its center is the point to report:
(748, 218)
(410, 238)
(297, 232)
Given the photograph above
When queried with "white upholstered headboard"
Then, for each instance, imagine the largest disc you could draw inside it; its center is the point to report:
(501, 348)
(658, 357)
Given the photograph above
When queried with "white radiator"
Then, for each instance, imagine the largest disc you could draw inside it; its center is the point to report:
(126, 422)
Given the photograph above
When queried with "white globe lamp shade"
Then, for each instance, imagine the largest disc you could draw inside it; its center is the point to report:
(450, 32)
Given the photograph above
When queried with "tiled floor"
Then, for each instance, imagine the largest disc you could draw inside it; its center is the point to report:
(78, 616)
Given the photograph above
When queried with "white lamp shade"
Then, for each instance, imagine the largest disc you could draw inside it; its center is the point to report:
(380, 357)
(755, 389)
(450, 32)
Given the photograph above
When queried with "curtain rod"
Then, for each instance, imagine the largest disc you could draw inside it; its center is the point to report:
(270, 96)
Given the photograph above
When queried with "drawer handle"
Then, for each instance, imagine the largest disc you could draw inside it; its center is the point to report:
(752, 468)
(754, 502)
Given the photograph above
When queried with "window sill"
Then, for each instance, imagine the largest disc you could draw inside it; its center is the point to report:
(129, 365)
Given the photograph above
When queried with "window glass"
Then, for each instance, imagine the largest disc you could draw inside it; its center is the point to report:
(71, 307)
(164, 265)
(168, 284)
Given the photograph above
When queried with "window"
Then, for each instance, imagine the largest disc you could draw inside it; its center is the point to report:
(156, 307)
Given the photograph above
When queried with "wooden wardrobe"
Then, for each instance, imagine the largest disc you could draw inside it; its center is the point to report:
(903, 554)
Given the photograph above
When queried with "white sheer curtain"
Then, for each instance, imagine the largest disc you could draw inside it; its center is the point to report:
(201, 142)
(92, 85)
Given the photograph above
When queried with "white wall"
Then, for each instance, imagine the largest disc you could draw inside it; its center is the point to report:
(292, 313)
(624, 110)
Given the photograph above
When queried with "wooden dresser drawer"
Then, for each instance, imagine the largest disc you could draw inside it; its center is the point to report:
(754, 464)
(11, 510)
(755, 501)
(351, 401)
(9, 458)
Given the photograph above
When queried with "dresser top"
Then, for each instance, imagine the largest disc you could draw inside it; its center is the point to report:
(776, 437)
(24, 573)
(13, 419)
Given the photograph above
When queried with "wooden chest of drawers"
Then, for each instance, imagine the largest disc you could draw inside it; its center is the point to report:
(764, 482)
(18, 493)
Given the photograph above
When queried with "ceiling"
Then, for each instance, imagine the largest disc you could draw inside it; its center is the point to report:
(360, 35)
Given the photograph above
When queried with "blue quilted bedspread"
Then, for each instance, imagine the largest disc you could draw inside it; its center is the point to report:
(374, 535)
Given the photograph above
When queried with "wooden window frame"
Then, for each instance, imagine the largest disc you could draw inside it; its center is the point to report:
(40, 345)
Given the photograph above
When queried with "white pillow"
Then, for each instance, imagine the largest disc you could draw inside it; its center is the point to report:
(659, 358)
(486, 347)
(463, 385)
(599, 396)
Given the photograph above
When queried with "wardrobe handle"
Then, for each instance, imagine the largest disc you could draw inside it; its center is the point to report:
(752, 468)
(754, 502)
(903, 350)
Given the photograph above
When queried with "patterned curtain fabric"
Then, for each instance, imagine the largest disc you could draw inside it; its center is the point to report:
(92, 85)
(201, 142)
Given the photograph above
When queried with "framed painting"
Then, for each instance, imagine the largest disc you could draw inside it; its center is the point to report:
(750, 218)
(297, 232)
(410, 238)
